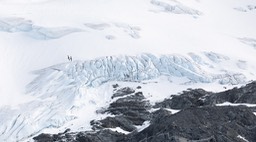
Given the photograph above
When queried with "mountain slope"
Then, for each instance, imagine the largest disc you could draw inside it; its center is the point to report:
(194, 115)
(166, 46)
(65, 92)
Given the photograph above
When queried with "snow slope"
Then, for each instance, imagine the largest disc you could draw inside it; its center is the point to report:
(194, 43)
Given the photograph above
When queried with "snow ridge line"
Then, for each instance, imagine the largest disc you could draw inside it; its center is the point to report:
(93, 73)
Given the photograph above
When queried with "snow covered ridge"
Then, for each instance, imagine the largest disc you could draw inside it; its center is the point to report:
(15, 25)
(94, 73)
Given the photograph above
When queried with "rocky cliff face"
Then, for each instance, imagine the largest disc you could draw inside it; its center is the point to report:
(194, 115)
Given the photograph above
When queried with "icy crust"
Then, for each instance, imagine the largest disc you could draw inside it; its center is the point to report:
(20, 123)
(14, 25)
(93, 73)
(52, 109)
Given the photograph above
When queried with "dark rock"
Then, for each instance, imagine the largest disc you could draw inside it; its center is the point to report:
(246, 94)
(157, 115)
(199, 119)
(67, 130)
(200, 97)
(129, 110)
(104, 135)
(96, 124)
(115, 85)
(43, 138)
(135, 103)
(190, 98)
(222, 124)
(100, 136)
(123, 92)
(118, 121)
(60, 137)
(137, 117)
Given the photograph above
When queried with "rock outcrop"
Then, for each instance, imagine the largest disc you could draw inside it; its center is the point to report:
(206, 124)
(200, 119)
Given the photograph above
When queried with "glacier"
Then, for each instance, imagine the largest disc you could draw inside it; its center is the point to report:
(94, 73)
(58, 88)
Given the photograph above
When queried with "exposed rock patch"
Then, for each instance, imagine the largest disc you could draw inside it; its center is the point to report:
(199, 118)
(130, 109)
(207, 124)
(200, 97)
